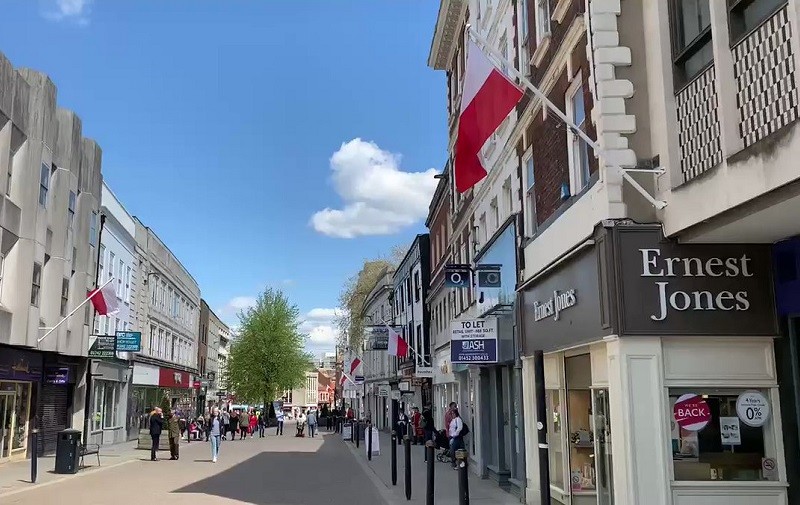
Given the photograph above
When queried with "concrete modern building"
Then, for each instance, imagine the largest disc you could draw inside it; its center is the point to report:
(410, 282)
(169, 313)
(111, 375)
(50, 198)
(378, 368)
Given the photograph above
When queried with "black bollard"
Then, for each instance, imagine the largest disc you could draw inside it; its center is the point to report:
(407, 443)
(463, 478)
(369, 440)
(431, 459)
(394, 458)
(358, 433)
(34, 455)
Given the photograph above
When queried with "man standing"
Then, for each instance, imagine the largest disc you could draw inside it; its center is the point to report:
(156, 425)
(279, 416)
(174, 432)
(416, 417)
(311, 419)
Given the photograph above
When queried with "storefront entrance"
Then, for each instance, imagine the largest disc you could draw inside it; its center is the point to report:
(14, 409)
(7, 418)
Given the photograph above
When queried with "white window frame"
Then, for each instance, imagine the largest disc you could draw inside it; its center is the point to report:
(504, 51)
(542, 20)
(110, 271)
(578, 177)
(529, 194)
(128, 284)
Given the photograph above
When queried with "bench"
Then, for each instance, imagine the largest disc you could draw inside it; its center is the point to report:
(88, 450)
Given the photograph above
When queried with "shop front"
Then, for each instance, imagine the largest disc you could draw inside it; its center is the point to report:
(665, 349)
(110, 386)
(445, 385)
(20, 379)
(150, 385)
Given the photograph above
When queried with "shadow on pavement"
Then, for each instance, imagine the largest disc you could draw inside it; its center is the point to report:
(330, 474)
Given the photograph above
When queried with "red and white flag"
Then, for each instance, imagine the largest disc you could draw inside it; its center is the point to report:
(397, 346)
(354, 364)
(487, 98)
(105, 299)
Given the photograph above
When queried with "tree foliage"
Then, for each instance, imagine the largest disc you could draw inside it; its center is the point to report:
(353, 297)
(269, 355)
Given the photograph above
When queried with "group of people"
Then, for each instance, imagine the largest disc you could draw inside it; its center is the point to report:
(173, 426)
(236, 422)
(420, 427)
(309, 418)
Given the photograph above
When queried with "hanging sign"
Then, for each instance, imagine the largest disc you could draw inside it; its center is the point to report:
(752, 407)
(383, 391)
(457, 276)
(129, 341)
(423, 371)
(691, 412)
(473, 341)
(102, 346)
(489, 276)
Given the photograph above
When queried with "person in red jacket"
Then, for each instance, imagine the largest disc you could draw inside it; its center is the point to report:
(416, 417)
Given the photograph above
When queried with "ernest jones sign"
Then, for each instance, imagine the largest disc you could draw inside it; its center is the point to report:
(694, 289)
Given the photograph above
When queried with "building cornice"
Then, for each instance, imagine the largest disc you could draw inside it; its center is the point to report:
(445, 35)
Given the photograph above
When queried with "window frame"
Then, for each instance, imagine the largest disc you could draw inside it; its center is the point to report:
(578, 180)
(543, 21)
(681, 54)
(36, 284)
(72, 202)
(44, 185)
(529, 194)
(64, 296)
(737, 31)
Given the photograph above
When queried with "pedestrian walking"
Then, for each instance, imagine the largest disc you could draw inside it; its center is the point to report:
(253, 422)
(262, 424)
(174, 433)
(280, 417)
(329, 421)
(234, 424)
(226, 423)
(311, 419)
(156, 425)
(301, 425)
(427, 424)
(402, 427)
(214, 433)
(244, 425)
(456, 432)
(416, 419)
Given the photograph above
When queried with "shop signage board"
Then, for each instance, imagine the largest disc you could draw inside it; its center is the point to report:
(474, 341)
(383, 391)
(693, 289)
(753, 408)
(222, 393)
(129, 341)
(20, 365)
(102, 346)
(347, 431)
(423, 371)
(56, 375)
(457, 276)
(691, 412)
(553, 306)
(729, 430)
(376, 442)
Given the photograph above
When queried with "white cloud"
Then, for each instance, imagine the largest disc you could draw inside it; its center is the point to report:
(379, 198)
(242, 302)
(68, 10)
(319, 325)
(230, 311)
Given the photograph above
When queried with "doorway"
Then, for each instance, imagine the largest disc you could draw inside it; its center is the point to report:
(7, 419)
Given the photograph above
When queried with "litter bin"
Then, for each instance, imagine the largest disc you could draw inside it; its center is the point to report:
(68, 451)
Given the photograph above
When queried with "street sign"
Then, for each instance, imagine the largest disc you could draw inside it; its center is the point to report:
(222, 394)
(359, 379)
(129, 341)
(473, 341)
(383, 391)
(102, 346)
(198, 384)
(423, 371)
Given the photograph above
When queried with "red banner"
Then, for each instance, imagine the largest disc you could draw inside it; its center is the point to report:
(169, 378)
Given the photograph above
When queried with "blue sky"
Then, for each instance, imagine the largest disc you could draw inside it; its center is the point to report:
(266, 142)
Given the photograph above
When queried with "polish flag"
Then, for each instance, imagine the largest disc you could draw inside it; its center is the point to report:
(487, 98)
(397, 346)
(104, 299)
(354, 364)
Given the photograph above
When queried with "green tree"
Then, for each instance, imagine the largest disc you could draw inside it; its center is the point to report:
(269, 355)
(350, 320)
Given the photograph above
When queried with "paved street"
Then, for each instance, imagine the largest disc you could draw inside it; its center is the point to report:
(275, 471)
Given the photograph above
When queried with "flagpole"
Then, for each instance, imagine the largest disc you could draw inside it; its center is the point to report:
(658, 204)
(536, 91)
(424, 361)
(94, 293)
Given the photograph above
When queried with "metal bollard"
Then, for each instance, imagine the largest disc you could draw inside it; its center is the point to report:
(407, 443)
(369, 441)
(463, 477)
(431, 459)
(34, 455)
(394, 458)
(357, 433)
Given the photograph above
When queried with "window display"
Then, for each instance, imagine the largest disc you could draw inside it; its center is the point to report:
(556, 451)
(579, 415)
(719, 434)
(17, 407)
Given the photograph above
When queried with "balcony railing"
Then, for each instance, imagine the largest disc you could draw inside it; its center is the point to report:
(764, 68)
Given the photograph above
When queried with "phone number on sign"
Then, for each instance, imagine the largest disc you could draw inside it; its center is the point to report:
(473, 357)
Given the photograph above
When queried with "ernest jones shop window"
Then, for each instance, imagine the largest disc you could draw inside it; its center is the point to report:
(725, 448)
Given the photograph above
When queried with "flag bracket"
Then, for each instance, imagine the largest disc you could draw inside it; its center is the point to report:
(94, 293)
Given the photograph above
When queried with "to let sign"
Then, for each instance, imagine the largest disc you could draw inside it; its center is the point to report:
(691, 412)
(474, 341)
(129, 341)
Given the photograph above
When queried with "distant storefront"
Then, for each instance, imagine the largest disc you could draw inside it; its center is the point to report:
(150, 385)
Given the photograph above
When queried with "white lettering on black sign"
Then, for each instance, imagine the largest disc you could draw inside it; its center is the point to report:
(561, 300)
(654, 265)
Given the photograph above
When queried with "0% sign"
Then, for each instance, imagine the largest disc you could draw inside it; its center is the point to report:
(753, 409)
